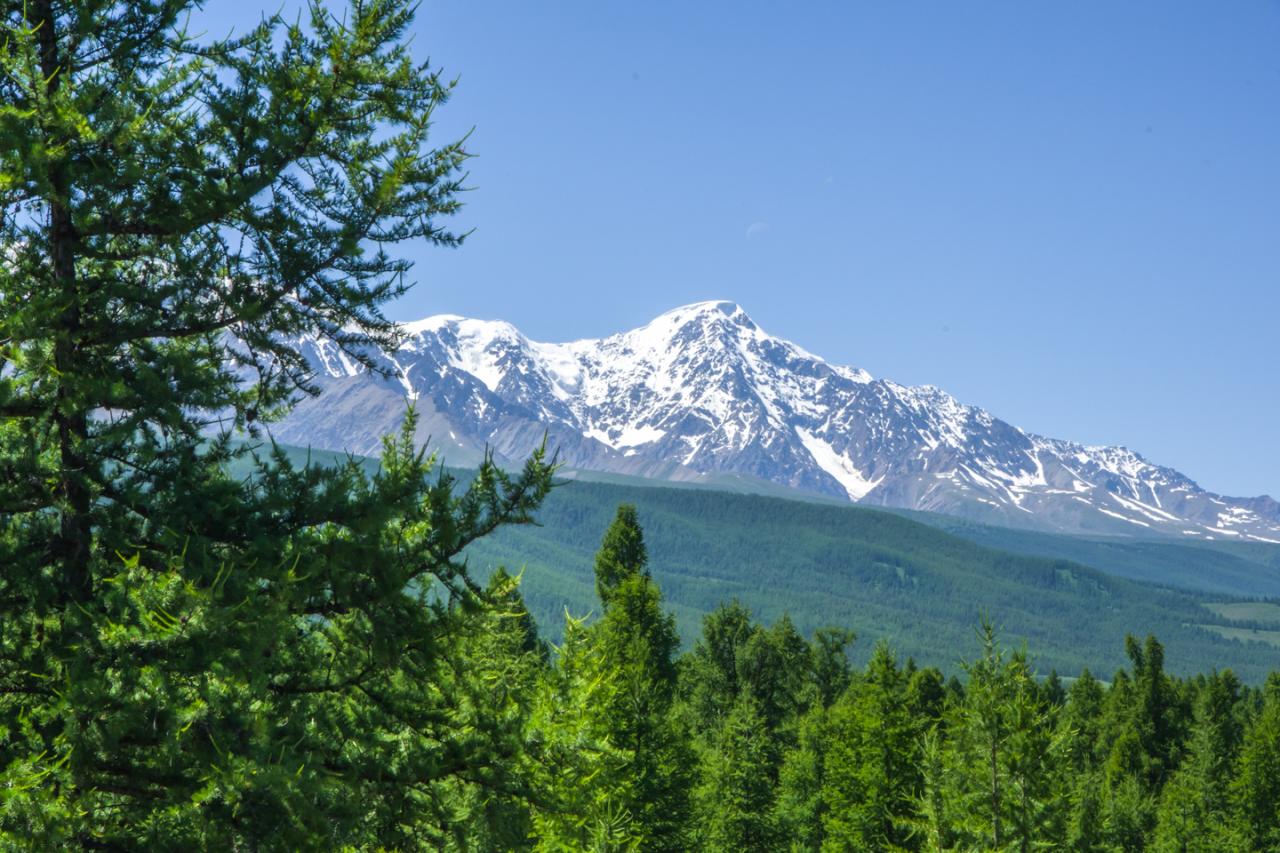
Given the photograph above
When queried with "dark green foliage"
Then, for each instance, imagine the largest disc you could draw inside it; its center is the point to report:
(773, 671)
(214, 705)
(1257, 783)
(1151, 725)
(801, 809)
(831, 669)
(622, 554)
(175, 212)
(901, 759)
(1054, 693)
(737, 795)
(873, 779)
(868, 571)
(1080, 720)
(497, 665)
(926, 695)
(503, 592)
(1194, 810)
(711, 678)
(1008, 761)
(619, 761)
(1086, 832)
(1005, 761)
(290, 657)
(639, 642)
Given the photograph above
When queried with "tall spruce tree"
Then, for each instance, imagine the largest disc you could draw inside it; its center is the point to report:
(1152, 720)
(1194, 812)
(496, 665)
(1009, 764)
(187, 657)
(735, 657)
(736, 799)
(622, 553)
(1142, 732)
(831, 669)
(709, 676)
(585, 776)
(800, 808)
(622, 775)
(873, 778)
(1257, 784)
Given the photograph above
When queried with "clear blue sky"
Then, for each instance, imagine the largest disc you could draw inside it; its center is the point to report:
(1067, 213)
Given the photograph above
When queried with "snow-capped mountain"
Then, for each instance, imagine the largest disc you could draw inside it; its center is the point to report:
(702, 391)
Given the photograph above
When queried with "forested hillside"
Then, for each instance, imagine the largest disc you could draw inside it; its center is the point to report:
(760, 739)
(1250, 569)
(919, 580)
(1222, 567)
(881, 575)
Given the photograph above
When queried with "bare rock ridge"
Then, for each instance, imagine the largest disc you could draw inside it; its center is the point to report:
(702, 392)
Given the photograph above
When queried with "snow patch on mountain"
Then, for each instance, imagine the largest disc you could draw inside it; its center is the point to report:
(837, 465)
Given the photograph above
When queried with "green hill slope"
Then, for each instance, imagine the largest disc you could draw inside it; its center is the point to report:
(1238, 569)
(876, 572)
(1223, 567)
(916, 579)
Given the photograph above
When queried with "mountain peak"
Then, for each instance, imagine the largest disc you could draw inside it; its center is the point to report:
(461, 325)
(702, 391)
(724, 306)
(711, 309)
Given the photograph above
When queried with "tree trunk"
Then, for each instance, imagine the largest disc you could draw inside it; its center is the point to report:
(75, 530)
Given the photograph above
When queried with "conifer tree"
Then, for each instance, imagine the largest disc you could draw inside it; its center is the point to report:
(640, 642)
(872, 780)
(831, 669)
(1194, 812)
(800, 806)
(618, 681)
(1149, 742)
(711, 682)
(174, 212)
(1257, 785)
(496, 665)
(622, 553)
(1086, 832)
(1081, 720)
(585, 781)
(1054, 693)
(736, 800)
(187, 657)
(1142, 734)
(773, 669)
(940, 798)
(926, 696)
(514, 619)
(1009, 757)
(737, 657)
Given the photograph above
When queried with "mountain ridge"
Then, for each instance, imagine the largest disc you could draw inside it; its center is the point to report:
(703, 391)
